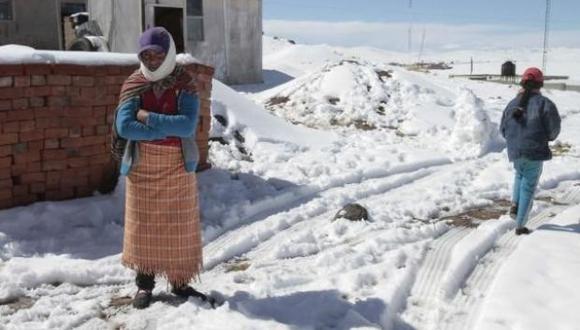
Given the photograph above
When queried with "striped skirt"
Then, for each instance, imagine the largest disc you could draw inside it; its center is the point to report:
(162, 224)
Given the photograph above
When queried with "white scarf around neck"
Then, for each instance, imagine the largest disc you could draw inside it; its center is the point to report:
(166, 68)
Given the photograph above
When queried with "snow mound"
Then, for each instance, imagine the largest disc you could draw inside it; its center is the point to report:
(474, 134)
(344, 94)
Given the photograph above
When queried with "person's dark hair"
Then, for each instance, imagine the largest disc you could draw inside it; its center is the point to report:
(530, 88)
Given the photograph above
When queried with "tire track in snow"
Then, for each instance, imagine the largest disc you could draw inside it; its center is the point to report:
(426, 293)
(267, 207)
(464, 309)
(243, 240)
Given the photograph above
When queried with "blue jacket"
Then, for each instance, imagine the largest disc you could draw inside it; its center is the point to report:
(159, 126)
(528, 137)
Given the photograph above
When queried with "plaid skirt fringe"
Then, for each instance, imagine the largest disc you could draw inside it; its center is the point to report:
(162, 223)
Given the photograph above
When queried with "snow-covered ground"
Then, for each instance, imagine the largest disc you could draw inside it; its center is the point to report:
(328, 127)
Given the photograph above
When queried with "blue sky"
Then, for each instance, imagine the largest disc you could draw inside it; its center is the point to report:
(448, 23)
(523, 13)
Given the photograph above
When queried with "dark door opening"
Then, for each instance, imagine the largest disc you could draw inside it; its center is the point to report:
(172, 20)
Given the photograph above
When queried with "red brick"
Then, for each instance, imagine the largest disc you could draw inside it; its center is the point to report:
(78, 112)
(38, 80)
(5, 150)
(83, 141)
(113, 70)
(6, 81)
(6, 203)
(33, 177)
(73, 91)
(18, 169)
(51, 144)
(38, 188)
(100, 159)
(59, 80)
(73, 152)
(81, 192)
(12, 70)
(6, 183)
(75, 132)
(83, 81)
(8, 138)
(76, 181)
(77, 101)
(54, 133)
(5, 105)
(35, 145)
(12, 93)
(60, 194)
(26, 126)
(31, 136)
(34, 167)
(103, 129)
(75, 69)
(58, 101)
(49, 122)
(127, 70)
(37, 69)
(93, 150)
(28, 157)
(48, 112)
(89, 131)
(5, 194)
(22, 81)
(54, 154)
(58, 90)
(78, 162)
(11, 127)
(114, 90)
(5, 162)
(53, 178)
(53, 165)
(38, 91)
(17, 115)
(37, 102)
(19, 148)
(24, 200)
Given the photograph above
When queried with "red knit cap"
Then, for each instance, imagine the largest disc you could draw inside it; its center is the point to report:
(533, 74)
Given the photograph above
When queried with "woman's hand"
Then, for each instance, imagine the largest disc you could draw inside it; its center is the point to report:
(142, 116)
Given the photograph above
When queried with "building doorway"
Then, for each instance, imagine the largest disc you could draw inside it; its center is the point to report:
(171, 19)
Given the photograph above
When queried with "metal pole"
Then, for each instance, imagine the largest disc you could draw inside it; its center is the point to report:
(546, 35)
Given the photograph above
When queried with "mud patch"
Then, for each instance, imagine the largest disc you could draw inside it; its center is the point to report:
(472, 218)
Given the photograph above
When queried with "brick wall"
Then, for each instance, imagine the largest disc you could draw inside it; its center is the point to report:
(55, 122)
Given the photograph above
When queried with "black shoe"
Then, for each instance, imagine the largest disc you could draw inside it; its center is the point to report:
(142, 299)
(522, 231)
(514, 211)
(186, 291)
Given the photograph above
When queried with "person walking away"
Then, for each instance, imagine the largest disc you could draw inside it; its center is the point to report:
(528, 123)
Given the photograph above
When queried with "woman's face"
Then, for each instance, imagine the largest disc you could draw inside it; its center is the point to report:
(152, 59)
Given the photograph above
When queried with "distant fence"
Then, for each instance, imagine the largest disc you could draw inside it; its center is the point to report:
(496, 78)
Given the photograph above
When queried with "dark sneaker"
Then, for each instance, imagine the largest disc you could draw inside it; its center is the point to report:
(142, 299)
(522, 231)
(187, 291)
(514, 211)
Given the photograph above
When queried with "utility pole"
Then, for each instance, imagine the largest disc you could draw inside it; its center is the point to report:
(410, 26)
(546, 35)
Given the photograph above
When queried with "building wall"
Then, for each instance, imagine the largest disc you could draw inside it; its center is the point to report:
(55, 126)
(244, 30)
(212, 50)
(35, 24)
(120, 22)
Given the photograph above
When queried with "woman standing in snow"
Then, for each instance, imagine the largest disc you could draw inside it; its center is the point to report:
(157, 115)
(528, 123)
